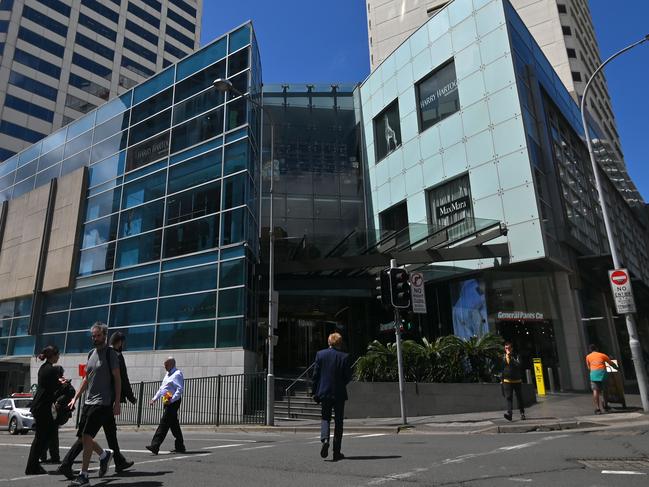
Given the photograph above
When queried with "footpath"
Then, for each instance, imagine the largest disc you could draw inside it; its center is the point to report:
(562, 411)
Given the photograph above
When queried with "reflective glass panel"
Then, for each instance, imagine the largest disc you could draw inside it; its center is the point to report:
(188, 280)
(83, 319)
(91, 296)
(234, 226)
(58, 340)
(153, 105)
(194, 203)
(140, 249)
(195, 171)
(137, 337)
(152, 126)
(103, 204)
(236, 157)
(198, 104)
(134, 289)
(187, 307)
(197, 130)
(198, 334)
(111, 127)
(109, 147)
(54, 322)
(138, 313)
(145, 189)
(437, 96)
(97, 259)
(21, 346)
(141, 219)
(238, 62)
(199, 81)
(231, 301)
(229, 332)
(107, 169)
(234, 190)
(236, 113)
(232, 273)
(99, 231)
(192, 236)
(148, 151)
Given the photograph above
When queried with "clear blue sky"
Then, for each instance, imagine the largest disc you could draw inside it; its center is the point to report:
(301, 42)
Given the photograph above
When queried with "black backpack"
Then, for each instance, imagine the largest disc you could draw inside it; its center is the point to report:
(60, 410)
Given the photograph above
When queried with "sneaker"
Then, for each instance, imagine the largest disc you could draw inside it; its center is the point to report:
(125, 465)
(324, 451)
(507, 416)
(65, 470)
(182, 449)
(152, 449)
(80, 481)
(103, 464)
(338, 456)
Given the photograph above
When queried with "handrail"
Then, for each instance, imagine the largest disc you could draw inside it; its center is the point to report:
(286, 391)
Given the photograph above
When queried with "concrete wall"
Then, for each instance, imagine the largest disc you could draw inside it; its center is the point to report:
(381, 399)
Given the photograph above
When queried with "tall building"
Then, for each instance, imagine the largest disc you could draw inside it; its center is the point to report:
(60, 59)
(564, 31)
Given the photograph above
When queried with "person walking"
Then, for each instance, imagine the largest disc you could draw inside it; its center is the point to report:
(512, 380)
(596, 363)
(117, 340)
(48, 383)
(53, 441)
(171, 391)
(332, 372)
(104, 385)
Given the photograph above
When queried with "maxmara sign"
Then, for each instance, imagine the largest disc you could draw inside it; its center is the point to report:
(453, 207)
(520, 315)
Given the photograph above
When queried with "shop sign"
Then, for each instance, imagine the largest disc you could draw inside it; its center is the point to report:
(417, 292)
(453, 207)
(622, 292)
(520, 316)
(538, 374)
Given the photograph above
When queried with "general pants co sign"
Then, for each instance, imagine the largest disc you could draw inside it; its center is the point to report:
(622, 292)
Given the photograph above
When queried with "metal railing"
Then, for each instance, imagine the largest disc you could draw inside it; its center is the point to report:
(287, 391)
(217, 400)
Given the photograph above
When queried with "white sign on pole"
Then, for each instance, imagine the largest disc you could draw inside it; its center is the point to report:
(417, 292)
(622, 292)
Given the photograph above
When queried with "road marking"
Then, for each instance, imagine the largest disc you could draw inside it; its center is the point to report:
(517, 447)
(514, 479)
(371, 436)
(257, 447)
(222, 446)
(622, 472)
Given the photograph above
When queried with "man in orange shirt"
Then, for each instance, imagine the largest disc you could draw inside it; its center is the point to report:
(596, 363)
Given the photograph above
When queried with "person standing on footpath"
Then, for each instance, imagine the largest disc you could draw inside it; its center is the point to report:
(332, 373)
(48, 383)
(596, 363)
(171, 391)
(512, 379)
(104, 385)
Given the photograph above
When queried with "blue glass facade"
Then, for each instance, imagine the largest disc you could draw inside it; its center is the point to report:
(169, 235)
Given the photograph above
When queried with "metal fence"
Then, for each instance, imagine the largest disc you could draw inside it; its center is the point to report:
(218, 400)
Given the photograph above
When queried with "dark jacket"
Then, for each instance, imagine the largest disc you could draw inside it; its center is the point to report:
(332, 373)
(48, 383)
(127, 390)
(513, 371)
(62, 413)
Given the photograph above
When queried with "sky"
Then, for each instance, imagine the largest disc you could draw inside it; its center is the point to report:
(301, 42)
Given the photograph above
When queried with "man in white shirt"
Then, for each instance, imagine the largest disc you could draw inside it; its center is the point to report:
(171, 392)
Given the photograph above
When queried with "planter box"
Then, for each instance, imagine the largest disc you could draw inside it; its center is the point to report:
(381, 399)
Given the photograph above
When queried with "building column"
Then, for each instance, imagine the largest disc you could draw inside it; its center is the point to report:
(570, 335)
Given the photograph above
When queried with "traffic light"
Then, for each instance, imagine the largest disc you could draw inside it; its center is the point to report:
(399, 288)
(383, 287)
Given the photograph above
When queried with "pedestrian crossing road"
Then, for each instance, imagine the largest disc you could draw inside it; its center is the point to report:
(251, 458)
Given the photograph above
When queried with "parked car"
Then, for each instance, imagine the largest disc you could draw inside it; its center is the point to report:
(15, 415)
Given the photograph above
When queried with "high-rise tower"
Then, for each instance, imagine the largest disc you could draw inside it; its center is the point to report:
(60, 59)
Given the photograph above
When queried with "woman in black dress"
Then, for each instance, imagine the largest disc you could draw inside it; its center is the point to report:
(48, 382)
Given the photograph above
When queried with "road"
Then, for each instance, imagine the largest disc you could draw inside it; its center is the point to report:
(247, 458)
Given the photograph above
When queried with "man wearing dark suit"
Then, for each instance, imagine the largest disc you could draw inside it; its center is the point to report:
(332, 373)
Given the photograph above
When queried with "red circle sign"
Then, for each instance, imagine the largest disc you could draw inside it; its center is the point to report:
(619, 278)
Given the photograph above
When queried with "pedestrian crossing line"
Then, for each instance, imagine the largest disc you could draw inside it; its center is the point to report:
(373, 435)
(622, 472)
(222, 446)
(257, 447)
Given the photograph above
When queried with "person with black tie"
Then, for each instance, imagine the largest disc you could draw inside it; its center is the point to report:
(48, 383)
(332, 373)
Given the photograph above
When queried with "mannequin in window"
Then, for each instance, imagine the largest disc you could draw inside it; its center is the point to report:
(390, 134)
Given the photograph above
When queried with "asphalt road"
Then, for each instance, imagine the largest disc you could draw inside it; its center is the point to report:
(372, 459)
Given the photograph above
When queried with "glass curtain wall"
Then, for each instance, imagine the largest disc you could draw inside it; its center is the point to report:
(170, 229)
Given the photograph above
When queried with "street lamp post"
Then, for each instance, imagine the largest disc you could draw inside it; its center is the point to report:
(634, 343)
(224, 86)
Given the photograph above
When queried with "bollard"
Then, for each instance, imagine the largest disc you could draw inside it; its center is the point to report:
(551, 380)
(528, 376)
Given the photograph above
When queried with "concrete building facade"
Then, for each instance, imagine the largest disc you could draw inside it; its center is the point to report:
(60, 59)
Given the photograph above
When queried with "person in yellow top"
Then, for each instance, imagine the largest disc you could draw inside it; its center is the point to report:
(512, 378)
(596, 363)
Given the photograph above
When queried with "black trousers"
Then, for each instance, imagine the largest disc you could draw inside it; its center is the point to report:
(509, 390)
(338, 408)
(52, 447)
(169, 421)
(110, 430)
(45, 430)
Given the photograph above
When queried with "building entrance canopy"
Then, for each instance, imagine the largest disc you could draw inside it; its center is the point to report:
(416, 244)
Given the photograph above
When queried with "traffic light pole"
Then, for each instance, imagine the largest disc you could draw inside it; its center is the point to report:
(397, 333)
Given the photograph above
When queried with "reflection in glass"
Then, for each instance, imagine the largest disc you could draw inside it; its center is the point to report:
(195, 171)
(109, 147)
(137, 337)
(198, 104)
(84, 318)
(200, 81)
(97, 259)
(238, 62)
(234, 226)
(236, 157)
(134, 289)
(107, 169)
(187, 307)
(141, 219)
(144, 189)
(188, 280)
(194, 203)
(54, 322)
(151, 106)
(229, 332)
(91, 296)
(198, 334)
(192, 236)
(152, 126)
(140, 249)
(138, 313)
(103, 204)
(236, 113)
(197, 130)
(99, 231)
(232, 273)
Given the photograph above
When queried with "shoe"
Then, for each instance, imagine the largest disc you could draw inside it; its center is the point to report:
(179, 450)
(523, 418)
(607, 408)
(36, 471)
(65, 470)
(507, 416)
(338, 456)
(103, 464)
(80, 481)
(324, 451)
(125, 465)
(152, 449)
(598, 411)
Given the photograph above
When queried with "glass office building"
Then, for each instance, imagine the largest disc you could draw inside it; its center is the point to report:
(167, 230)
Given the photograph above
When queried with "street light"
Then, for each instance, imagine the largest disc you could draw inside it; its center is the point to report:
(225, 86)
(634, 344)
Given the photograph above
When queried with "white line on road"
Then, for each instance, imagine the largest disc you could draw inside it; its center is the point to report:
(372, 435)
(517, 447)
(222, 446)
(622, 472)
(257, 447)
(514, 479)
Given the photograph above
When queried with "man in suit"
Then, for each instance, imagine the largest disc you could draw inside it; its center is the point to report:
(332, 373)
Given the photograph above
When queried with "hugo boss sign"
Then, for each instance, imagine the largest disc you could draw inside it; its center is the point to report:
(453, 207)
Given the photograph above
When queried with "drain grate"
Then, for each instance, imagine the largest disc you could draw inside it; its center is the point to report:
(641, 463)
